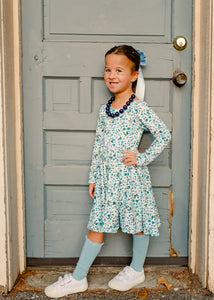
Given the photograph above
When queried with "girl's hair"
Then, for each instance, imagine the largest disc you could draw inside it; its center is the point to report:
(130, 53)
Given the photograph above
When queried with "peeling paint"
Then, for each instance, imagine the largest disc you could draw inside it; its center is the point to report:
(171, 204)
(172, 251)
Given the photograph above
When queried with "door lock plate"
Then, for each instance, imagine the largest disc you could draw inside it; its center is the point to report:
(179, 78)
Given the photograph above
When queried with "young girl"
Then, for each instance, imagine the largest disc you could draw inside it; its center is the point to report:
(119, 180)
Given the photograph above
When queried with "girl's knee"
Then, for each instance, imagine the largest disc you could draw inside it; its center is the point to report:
(139, 233)
(96, 237)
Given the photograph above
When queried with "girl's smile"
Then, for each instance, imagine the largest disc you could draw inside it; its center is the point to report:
(119, 75)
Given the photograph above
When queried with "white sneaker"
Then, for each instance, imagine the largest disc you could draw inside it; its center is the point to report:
(66, 285)
(126, 279)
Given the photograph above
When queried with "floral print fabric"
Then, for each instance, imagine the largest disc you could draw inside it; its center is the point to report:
(123, 195)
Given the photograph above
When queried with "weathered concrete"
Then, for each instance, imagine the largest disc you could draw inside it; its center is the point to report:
(184, 285)
(39, 278)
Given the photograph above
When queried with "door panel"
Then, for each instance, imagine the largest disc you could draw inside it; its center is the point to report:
(100, 20)
(63, 90)
(86, 59)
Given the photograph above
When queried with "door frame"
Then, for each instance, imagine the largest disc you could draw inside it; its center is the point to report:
(201, 203)
(12, 208)
(201, 225)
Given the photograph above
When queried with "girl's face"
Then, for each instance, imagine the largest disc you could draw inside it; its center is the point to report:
(119, 73)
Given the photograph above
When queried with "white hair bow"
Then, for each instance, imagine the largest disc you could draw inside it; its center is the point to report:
(140, 88)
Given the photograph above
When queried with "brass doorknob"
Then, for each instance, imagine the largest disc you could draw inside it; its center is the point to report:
(180, 43)
(179, 78)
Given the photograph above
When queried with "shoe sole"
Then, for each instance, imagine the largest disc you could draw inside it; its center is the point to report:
(74, 291)
(114, 286)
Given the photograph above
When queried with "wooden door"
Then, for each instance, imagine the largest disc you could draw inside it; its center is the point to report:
(64, 42)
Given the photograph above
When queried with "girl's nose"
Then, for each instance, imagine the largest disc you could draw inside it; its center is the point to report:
(112, 74)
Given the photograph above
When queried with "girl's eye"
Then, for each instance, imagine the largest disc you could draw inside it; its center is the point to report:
(107, 70)
(119, 71)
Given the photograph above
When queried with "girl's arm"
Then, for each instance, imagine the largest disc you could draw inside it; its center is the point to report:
(95, 152)
(158, 129)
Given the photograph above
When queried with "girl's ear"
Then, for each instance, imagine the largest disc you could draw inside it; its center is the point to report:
(135, 76)
(134, 80)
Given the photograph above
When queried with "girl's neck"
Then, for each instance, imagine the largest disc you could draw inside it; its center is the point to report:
(121, 100)
(123, 96)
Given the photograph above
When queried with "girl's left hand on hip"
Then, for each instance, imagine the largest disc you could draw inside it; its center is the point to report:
(130, 157)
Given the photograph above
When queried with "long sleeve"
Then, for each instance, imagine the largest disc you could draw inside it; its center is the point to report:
(96, 150)
(158, 129)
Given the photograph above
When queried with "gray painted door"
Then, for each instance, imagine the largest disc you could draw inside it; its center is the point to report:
(63, 44)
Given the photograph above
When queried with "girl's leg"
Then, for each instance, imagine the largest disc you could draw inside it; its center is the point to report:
(91, 248)
(140, 247)
(96, 237)
(77, 282)
(132, 275)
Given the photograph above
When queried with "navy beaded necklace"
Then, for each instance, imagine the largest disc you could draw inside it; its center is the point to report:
(108, 106)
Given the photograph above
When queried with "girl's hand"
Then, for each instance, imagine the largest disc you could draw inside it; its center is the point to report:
(91, 189)
(130, 158)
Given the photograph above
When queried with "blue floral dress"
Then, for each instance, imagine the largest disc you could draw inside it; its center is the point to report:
(123, 195)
